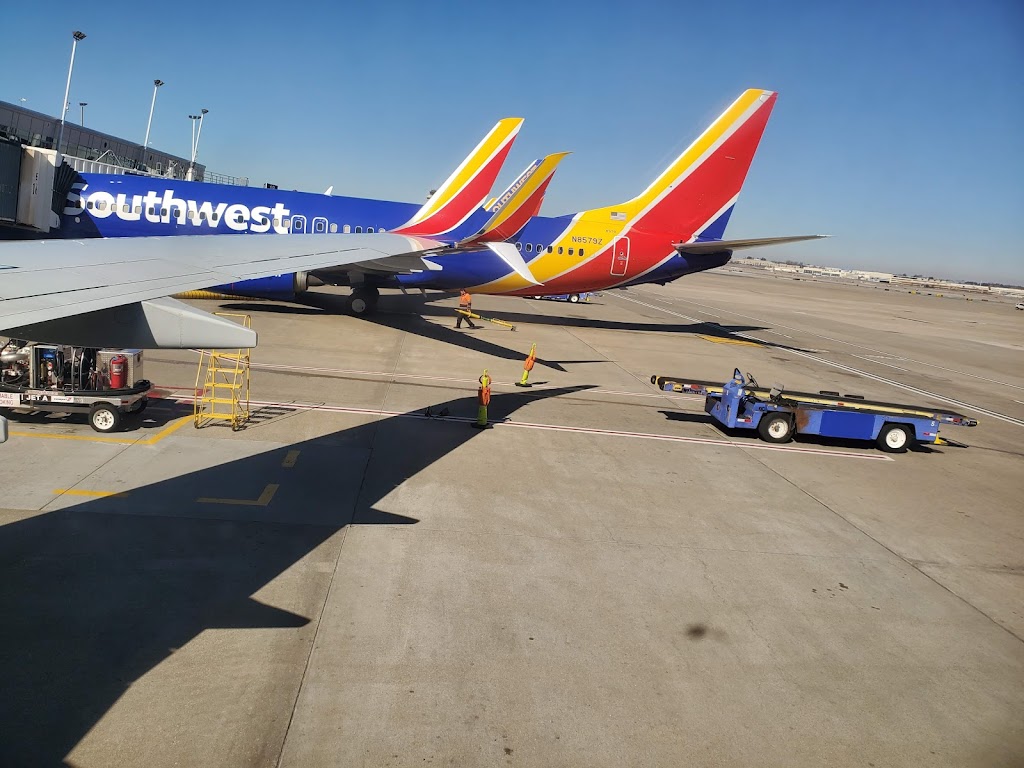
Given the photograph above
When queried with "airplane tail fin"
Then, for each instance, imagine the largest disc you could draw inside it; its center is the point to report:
(468, 186)
(520, 202)
(694, 197)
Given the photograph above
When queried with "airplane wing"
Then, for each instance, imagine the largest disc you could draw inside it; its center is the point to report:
(109, 292)
(717, 246)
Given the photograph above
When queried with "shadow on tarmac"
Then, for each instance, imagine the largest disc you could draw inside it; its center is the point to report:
(413, 313)
(96, 595)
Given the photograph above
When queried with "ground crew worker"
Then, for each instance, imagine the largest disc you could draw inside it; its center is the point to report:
(466, 305)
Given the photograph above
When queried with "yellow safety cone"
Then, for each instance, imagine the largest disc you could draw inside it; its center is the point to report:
(483, 398)
(528, 366)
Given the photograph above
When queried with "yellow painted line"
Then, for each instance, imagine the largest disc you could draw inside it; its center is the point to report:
(262, 501)
(94, 494)
(724, 340)
(172, 427)
(290, 458)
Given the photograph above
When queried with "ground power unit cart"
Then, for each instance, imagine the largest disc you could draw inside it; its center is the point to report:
(105, 384)
(778, 415)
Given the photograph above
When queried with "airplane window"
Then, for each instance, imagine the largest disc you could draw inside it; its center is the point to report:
(571, 250)
(101, 205)
(539, 247)
(213, 217)
(334, 228)
(126, 209)
(238, 219)
(550, 249)
(529, 247)
(202, 215)
(152, 210)
(264, 220)
(190, 215)
(559, 250)
(89, 205)
(138, 209)
(519, 246)
(369, 229)
(163, 211)
(581, 253)
(277, 222)
(286, 223)
(359, 230)
(347, 228)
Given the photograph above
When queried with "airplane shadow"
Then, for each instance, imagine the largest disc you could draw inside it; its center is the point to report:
(95, 595)
(413, 313)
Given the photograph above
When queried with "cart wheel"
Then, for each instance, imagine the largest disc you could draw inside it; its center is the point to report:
(895, 438)
(775, 428)
(574, 298)
(104, 417)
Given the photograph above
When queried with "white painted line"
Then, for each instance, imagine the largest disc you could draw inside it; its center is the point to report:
(448, 379)
(867, 455)
(866, 374)
(830, 338)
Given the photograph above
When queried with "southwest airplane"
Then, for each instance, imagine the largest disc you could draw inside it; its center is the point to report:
(673, 228)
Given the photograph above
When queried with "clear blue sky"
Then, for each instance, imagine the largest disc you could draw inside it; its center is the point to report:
(898, 128)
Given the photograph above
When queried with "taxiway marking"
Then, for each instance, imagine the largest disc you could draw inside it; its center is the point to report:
(867, 455)
(93, 494)
(263, 501)
(858, 371)
(174, 426)
(290, 458)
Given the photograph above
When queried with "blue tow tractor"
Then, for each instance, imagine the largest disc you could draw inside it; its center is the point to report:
(778, 415)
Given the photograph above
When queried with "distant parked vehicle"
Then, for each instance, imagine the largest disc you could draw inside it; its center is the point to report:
(573, 298)
(1020, 305)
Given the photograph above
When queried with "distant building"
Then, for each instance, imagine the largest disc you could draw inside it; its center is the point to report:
(38, 130)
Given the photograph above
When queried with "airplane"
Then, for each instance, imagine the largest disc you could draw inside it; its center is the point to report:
(112, 291)
(673, 228)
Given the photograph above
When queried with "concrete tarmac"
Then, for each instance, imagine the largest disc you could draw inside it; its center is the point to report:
(605, 578)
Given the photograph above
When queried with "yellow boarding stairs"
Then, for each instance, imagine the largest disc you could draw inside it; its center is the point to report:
(225, 378)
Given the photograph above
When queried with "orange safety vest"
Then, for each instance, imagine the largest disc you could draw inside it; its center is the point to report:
(465, 301)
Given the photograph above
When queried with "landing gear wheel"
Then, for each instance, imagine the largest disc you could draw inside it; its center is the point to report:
(104, 418)
(895, 438)
(363, 301)
(574, 298)
(775, 428)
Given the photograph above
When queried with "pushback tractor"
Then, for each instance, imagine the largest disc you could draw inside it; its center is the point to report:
(106, 384)
(779, 415)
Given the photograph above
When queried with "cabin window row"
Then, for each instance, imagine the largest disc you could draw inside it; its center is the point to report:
(550, 249)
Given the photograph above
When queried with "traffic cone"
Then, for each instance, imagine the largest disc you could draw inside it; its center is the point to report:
(483, 398)
(528, 366)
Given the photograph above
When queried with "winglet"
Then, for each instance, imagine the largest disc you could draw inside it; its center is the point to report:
(520, 202)
(511, 256)
(468, 186)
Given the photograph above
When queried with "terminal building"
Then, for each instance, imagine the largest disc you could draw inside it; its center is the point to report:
(34, 129)
(36, 175)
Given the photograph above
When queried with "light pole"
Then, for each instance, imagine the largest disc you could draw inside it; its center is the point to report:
(83, 105)
(145, 144)
(195, 141)
(67, 90)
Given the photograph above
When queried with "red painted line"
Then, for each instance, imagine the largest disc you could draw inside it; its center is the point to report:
(753, 445)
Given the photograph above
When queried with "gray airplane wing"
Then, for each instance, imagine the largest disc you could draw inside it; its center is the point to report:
(109, 292)
(717, 246)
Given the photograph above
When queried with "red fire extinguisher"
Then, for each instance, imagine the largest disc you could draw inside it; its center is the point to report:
(118, 372)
